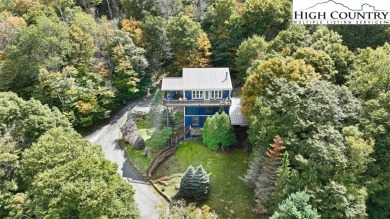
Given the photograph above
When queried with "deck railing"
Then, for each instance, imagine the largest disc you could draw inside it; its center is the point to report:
(184, 102)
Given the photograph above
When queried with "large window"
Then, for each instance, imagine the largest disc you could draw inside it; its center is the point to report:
(197, 94)
(216, 94)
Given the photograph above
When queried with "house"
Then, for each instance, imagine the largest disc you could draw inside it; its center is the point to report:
(202, 92)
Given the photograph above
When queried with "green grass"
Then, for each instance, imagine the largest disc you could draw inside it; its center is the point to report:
(137, 158)
(228, 191)
(142, 123)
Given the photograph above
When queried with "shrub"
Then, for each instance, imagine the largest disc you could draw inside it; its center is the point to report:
(217, 131)
(195, 184)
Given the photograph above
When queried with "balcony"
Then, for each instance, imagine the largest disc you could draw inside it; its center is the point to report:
(184, 102)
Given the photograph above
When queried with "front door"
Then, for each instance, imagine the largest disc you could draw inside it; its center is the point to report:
(206, 95)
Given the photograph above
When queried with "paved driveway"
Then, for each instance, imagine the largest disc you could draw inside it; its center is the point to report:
(108, 137)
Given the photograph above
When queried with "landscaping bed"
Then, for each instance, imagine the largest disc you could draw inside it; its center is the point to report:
(229, 196)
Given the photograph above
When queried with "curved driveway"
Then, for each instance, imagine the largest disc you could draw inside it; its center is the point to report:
(108, 137)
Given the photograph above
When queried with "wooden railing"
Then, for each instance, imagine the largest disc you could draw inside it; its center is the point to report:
(164, 153)
(222, 102)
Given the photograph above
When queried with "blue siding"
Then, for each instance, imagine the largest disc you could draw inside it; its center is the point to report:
(201, 110)
(188, 95)
(201, 113)
(225, 94)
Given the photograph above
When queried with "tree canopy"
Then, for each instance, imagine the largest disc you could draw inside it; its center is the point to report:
(218, 132)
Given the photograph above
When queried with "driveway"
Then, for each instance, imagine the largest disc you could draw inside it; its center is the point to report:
(108, 137)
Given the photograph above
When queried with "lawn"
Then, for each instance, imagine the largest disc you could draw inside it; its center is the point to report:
(137, 158)
(229, 196)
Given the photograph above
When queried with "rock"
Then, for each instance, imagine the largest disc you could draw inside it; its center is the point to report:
(129, 127)
(136, 141)
(139, 111)
(148, 152)
(163, 183)
(130, 136)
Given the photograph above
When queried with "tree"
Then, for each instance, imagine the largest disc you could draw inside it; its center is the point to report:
(27, 120)
(296, 206)
(288, 41)
(183, 34)
(179, 209)
(265, 182)
(9, 165)
(320, 60)
(83, 188)
(189, 43)
(156, 117)
(356, 36)
(218, 132)
(156, 43)
(369, 81)
(82, 101)
(55, 148)
(262, 73)
(265, 17)
(20, 69)
(218, 23)
(251, 49)
(195, 184)
(23, 6)
(161, 137)
(8, 27)
(317, 122)
(331, 42)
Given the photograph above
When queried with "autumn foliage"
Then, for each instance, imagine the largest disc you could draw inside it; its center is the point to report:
(263, 73)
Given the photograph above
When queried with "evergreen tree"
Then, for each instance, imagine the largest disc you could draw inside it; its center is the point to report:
(195, 184)
(265, 183)
(218, 131)
(296, 206)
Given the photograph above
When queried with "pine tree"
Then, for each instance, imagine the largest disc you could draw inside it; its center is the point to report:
(202, 184)
(265, 183)
(296, 206)
(186, 183)
(195, 184)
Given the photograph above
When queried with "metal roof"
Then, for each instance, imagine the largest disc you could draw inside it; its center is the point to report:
(199, 79)
(236, 117)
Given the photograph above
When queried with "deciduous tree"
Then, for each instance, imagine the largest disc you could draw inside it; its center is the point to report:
(262, 73)
(317, 123)
(251, 49)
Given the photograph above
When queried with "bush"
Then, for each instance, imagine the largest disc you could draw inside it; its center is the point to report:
(218, 131)
(161, 137)
(195, 184)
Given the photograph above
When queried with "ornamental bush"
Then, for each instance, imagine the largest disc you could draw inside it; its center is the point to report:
(217, 131)
(195, 184)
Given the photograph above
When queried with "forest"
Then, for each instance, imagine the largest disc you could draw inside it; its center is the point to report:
(316, 99)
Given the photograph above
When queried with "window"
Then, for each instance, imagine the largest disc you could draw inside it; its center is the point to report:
(216, 94)
(195, 121)
(196, 94)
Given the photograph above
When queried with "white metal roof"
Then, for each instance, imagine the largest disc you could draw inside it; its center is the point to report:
(236, 117)
(200, 79)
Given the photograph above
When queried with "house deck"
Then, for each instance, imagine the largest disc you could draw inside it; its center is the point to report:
(223, 102)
